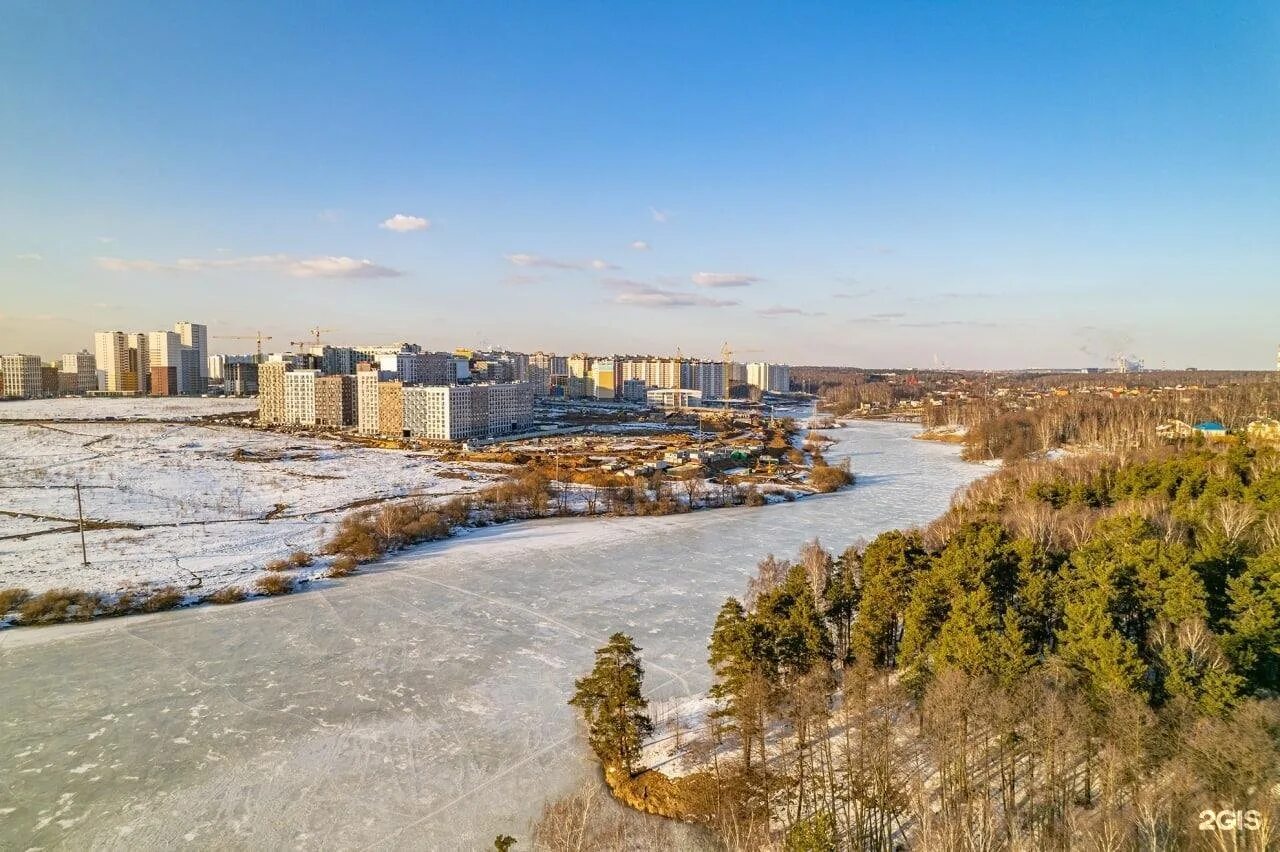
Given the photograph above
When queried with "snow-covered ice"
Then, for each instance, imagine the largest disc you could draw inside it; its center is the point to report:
(421, 706)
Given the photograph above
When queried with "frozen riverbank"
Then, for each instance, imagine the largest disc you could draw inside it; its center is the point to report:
(420, 706)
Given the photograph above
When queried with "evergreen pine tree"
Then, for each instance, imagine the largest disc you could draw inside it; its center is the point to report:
(612, 703)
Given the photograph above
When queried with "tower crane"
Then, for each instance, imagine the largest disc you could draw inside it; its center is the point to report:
(315, 333)
(258, 336)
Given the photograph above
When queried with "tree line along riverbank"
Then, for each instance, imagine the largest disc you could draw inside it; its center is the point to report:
(1079, 652)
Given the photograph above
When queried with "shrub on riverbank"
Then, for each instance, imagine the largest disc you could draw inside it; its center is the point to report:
(826, 478)
(274, 584)
(343, 566)
(58, 605)
(227, 595)
(166, 597)
(11, 599)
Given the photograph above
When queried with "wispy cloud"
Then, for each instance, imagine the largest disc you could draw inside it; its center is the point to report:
(723, 279)
(856, 294)
(538, 261)
(785, 310)
(30, 256)
(330, 216)
(641, 245)
(950, 324)
(327, 266)
(403, 223)
(645, 295)
(659, 216)
(521, 279)
(106, 240)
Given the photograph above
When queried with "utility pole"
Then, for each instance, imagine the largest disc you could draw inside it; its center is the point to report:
(84, 553)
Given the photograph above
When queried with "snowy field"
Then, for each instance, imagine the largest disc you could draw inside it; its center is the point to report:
(124, 408)
(420, 706)
(191, 501)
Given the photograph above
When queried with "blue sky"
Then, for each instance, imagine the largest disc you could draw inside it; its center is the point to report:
(988, 185)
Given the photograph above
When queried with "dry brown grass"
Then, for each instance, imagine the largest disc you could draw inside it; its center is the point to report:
(343, 566)
(826, 478)
(124, 603)
(166, 597)
(274, 584)
(11, 599)
(300, 559)
(227, 595)
(58, 605)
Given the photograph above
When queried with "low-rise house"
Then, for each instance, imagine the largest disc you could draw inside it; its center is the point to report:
(1210, 429)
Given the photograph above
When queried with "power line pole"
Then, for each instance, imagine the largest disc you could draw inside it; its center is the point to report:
(84, 553)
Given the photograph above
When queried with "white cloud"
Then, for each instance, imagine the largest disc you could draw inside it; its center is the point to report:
(31, 256)
(659, 216)
(536, 260)
(330, 216)
(648, 296)
(785, 310)
(402, 223)
(105, 240)
(340, 267)
(723, 279)
(641, 245)
(329, 266)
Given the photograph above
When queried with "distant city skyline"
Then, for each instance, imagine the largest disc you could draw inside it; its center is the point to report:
(980, 186)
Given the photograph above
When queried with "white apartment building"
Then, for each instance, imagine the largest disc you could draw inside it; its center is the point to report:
(300, 397)
(708, 377)
(462, 412)
(367, 413)
(769, 378)
(195, 337)
(21, 374)
(605, 379)
(164, 349)
(111, 354)
(83, 366)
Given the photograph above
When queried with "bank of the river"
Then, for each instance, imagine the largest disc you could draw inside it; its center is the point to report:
(422, 707)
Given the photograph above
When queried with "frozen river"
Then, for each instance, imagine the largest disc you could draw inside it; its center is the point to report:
(421, 705)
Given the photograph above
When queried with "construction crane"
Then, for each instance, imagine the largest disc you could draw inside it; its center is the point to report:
(726, 353)
(258, 336)
(315, 333)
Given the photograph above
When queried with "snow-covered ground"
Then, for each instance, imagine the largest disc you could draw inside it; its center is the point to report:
(124, 408)
(419, 706)
(217, 502)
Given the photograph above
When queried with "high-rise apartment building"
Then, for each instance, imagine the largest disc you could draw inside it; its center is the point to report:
(79, 372)
(391, 409)
(367, 398)
(22, 377)
(163, 381)
(336, 401)
(605, 379)
(137, 375)
(111, 354)
(240, 379)
(462, 412)
(709, 378)
(769, 378)
(271, 376)
(164, 351)
(426, 368)
(196, 337)
(300, 397)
